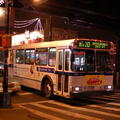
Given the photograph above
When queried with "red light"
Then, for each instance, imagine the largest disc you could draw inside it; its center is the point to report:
(80, 53)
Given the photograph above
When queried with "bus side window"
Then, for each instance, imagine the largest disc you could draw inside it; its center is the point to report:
(29, 56)
(19, 56)
(52, 56)
(41, 56)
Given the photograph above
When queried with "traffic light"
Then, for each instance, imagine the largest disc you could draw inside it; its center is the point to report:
(5, 40)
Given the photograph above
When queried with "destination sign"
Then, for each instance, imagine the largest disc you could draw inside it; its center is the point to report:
(93, 44)
(42, 50)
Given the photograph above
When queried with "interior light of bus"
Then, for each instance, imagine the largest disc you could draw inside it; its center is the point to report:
(53, 49)
(112, 45)
(81, 69)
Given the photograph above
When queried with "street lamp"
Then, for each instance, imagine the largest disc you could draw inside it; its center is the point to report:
(37, 2)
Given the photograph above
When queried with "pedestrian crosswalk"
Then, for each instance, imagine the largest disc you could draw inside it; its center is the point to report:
(93, 108)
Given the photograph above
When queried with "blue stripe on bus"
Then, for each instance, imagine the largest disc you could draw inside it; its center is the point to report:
(52, 70)
(43, 69)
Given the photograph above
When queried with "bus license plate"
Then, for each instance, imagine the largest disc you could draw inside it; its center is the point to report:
(91, 87)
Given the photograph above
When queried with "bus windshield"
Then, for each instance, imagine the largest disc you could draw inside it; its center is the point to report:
(84, 60)
(104, 61)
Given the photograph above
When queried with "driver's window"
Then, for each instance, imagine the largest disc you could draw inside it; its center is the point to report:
(90, 61)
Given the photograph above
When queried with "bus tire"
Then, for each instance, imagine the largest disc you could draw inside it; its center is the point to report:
(48, 89)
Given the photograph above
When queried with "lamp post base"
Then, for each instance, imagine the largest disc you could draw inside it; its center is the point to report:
(5, 100)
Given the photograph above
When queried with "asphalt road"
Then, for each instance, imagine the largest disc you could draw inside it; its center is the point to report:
(93, 108)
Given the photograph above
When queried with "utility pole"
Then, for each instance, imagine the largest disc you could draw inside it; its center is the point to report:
(5, 100)
(117, 60)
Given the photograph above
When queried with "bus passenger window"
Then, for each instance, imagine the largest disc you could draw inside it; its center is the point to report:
(29, 56)
(19, 56)
(52, 56)
(41, 56)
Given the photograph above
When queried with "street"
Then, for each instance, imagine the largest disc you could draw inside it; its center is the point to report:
(93, 108)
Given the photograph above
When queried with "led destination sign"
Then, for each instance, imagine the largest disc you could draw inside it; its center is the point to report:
(93, 44)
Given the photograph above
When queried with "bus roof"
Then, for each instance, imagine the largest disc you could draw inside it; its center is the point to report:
(58, 43)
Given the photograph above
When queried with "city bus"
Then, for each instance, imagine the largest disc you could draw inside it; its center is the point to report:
(71, 68)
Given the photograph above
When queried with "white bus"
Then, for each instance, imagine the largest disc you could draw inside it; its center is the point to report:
(69, 68)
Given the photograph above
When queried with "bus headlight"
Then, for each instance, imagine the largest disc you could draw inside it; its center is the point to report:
(108, 87)
(76, 89)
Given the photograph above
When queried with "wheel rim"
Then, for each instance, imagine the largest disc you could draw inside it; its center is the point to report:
(48, 90)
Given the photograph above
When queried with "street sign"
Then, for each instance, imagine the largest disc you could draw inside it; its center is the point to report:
(5, 40)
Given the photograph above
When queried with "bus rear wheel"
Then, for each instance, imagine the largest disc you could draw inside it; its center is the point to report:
(48, 89)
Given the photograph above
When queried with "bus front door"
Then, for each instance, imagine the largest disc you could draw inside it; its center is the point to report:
(62, 76)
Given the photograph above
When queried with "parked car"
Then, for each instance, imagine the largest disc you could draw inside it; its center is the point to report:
(13, 85)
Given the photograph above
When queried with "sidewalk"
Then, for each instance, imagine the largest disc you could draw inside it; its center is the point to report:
(17, 113)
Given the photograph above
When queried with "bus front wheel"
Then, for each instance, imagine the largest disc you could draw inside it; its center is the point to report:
(48, 89)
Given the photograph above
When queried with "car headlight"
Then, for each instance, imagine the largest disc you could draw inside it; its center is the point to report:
(16, 83)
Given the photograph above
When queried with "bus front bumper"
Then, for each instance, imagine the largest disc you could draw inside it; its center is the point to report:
(90, 93)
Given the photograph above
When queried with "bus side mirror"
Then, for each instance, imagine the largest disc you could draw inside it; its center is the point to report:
(72, 57)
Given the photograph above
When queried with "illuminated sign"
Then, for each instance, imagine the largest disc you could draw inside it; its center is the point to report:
(93, 44)
(42, 50)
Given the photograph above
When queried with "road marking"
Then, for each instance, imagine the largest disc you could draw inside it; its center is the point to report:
(111, 103)
(106, 108)
(86, 109)
(73, 114)
(42, 114)
(106, 98)
(25, 93)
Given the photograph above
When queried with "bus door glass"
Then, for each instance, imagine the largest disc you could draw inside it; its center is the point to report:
(62, 76)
